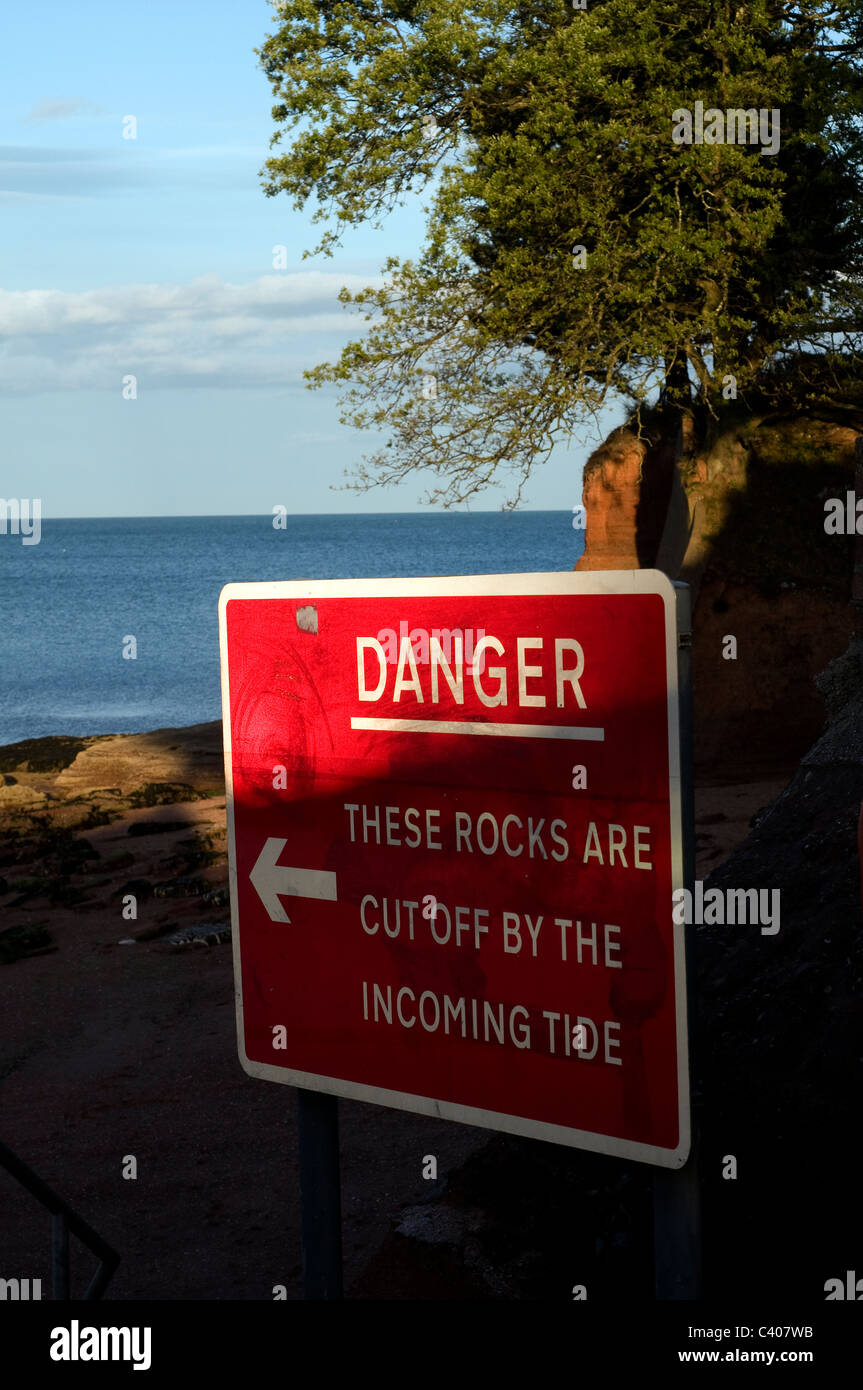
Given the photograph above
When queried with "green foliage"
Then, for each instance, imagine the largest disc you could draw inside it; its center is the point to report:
(162, 794)
(32, 883)
(51, 754)
(552, 129)
(98, 816)
(16, 943)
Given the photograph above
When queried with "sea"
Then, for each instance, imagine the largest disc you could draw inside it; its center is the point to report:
(68, 603)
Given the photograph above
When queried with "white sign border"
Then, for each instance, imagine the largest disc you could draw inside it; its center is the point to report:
(550, 583)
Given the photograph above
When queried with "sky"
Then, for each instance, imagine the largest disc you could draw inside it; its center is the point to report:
(152, 257)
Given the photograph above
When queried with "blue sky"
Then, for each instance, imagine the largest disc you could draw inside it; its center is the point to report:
(153, 257)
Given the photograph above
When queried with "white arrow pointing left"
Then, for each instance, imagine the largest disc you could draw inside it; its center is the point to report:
(269, 879)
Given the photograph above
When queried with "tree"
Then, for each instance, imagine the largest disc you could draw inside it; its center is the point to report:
(577, 245)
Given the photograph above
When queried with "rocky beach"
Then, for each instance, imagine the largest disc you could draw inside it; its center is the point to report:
(119, 1039)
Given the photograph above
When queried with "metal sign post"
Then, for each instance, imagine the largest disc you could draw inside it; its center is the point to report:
(320, 1194)
(677, 1195)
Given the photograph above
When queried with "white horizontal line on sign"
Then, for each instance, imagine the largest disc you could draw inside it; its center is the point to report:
(464, 726)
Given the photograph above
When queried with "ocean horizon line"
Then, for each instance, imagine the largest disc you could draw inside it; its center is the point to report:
(223, 516)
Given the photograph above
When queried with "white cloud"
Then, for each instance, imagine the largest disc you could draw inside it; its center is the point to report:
(209, 152)
(205, 333)
(98, 171)
(62, 109)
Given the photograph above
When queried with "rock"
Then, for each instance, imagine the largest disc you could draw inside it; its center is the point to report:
(794, 1074)
(191, 756)
(611, 495)
(155, 827)
(140, 888)
(163, 794)
(18, 942)
(121, 860)
(181, 888)
(437, 1225)
(50, 754)
(20, 798)
(764, 570)
(74, 857)
(203, 934)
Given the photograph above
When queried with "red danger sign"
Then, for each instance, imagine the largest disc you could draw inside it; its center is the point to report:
(454, 833)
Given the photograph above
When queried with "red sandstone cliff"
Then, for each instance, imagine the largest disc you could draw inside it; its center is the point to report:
(743, 523)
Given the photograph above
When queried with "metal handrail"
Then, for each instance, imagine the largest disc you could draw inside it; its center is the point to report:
(63, 1220)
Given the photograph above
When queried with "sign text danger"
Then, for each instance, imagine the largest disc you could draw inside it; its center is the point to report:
(529, 664)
